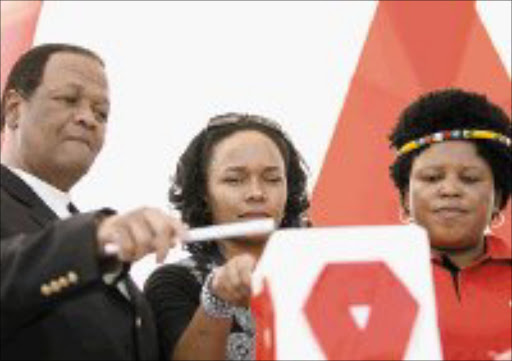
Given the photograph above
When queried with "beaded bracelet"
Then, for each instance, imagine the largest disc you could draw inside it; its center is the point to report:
(214, 306)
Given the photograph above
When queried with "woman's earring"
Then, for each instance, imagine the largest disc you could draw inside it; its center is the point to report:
(404, 216)
(11, 121)
(498, 219)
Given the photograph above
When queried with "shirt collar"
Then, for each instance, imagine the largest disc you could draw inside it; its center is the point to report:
(495, 249)
(54, 198)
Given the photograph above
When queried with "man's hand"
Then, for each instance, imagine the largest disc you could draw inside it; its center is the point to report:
(140, 232)
(232, 282)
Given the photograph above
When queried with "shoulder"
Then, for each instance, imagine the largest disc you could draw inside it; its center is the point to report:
(498, 248)
(15, 216)
(14, 186)
(176, 285)
(12, 197)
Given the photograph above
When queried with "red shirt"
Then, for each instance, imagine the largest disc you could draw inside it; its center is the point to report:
(474, 307)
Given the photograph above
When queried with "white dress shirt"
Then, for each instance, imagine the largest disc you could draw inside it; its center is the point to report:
(54, 198)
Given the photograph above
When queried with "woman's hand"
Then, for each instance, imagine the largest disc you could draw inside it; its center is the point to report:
(232, 282)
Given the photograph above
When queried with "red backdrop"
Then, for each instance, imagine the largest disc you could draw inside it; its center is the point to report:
(18, 19)
(412, 47)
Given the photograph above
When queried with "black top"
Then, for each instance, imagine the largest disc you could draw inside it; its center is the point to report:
(174, 294)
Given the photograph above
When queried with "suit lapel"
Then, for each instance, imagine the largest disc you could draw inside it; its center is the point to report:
(20, 191)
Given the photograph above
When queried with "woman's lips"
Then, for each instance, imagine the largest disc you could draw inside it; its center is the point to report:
(254, 215)
(450, 212)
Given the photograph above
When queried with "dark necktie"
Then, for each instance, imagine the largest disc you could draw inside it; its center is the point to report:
(72, 209)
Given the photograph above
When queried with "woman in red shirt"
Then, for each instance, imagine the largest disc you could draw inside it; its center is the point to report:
(453, 172)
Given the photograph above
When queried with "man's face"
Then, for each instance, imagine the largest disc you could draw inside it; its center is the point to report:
(61, 127)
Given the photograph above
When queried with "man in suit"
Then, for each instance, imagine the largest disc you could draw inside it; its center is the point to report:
(62, 295)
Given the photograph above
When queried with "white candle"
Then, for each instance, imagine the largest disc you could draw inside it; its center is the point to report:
(223, 231)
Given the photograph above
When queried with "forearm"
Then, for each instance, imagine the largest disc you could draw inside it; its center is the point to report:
(205, 338)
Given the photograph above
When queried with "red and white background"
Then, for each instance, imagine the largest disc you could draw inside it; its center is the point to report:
(335, 74)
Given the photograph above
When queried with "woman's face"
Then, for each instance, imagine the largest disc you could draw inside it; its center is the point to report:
(451, 194)
(246, 179)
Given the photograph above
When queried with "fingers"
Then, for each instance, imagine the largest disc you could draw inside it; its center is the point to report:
(118, 236)
(141, 232)
(238, 288)
(248, 263)
(232, 282)
(164, 233)
(140, 238)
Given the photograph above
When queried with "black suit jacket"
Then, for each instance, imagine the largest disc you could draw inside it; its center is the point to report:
(54, 302)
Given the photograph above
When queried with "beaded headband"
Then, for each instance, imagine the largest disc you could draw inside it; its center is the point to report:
(451, 135)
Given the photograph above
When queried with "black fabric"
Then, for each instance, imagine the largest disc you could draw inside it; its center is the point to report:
(88, 320)
(72, 208)
(454, 270)
(174, 294)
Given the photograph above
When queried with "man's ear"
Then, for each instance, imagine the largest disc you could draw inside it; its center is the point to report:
(13, 102)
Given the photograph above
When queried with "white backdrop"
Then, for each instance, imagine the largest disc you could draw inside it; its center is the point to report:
(172, 65)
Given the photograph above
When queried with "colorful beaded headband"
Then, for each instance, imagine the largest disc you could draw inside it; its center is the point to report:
(453, 134)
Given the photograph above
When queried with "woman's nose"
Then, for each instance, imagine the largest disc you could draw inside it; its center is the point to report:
(256, 191)
(450, 187)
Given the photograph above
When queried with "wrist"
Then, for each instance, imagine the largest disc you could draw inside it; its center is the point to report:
(107, 263)
(213, 305)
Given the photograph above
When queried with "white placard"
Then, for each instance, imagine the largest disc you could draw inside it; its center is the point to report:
(294, 259)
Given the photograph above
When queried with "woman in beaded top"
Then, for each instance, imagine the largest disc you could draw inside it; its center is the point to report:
(239, 167)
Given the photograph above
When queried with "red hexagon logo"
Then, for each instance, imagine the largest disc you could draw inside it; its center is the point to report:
(262, 309)
(342, 288)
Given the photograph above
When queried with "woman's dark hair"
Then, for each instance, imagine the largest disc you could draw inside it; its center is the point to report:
(188, 185)
(454, 109)
(27, 73)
